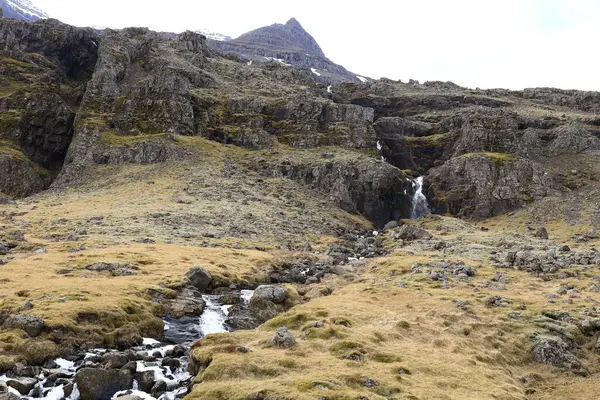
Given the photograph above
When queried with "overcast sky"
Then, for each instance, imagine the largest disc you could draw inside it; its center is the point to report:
(475, 43)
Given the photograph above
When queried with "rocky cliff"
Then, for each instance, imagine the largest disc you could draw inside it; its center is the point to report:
(73, 99)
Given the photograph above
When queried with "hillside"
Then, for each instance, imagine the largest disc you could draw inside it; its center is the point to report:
(236, 231)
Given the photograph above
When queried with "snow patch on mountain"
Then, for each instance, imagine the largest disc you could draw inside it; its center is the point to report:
(22, 9)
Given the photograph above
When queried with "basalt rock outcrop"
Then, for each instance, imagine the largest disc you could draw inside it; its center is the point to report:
(74, 99)
(481, 185)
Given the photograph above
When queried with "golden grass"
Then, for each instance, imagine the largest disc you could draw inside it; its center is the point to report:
(414, 341)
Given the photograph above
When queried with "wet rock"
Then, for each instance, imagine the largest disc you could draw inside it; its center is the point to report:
(158, 389)
(31, 324)
(114, 360)
(283, 339)
(188, 302)
(170, 362)
(102, 384)
(274, 294)
(9, 396)
(145, 380)
(22, 385)
(176, 352)
(131, 366)
(199, 277)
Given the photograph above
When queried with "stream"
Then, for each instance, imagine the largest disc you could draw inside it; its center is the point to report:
(160, 369)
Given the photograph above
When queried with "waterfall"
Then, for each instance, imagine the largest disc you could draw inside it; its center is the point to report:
(213, 316)
(419, 201)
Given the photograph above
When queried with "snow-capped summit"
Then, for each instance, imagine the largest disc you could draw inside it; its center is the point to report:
(22, 9)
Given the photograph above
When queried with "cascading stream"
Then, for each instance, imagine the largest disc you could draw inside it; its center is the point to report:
(420, 207)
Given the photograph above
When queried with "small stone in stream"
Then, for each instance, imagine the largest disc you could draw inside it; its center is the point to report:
(27, 306)
(31, 324)
(145, 380)
(170, 362)
(114, 360)
(564, 249)
(131, 366)
(26, 371)
(158, 389)
(22, 385)
(177, 351)
(40, 251)
(283, 339)
(199, 277)
(68, 389)
(102, 384)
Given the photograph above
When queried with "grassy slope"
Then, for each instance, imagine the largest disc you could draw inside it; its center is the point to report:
(450, 352)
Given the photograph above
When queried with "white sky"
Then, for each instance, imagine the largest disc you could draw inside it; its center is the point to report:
(476, 43)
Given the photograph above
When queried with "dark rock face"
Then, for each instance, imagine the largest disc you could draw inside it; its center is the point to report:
(374, 189)
(43, 66)
(482, 185)
(102, 384)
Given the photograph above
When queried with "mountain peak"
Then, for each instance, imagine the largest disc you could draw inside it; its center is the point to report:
(293, 23)
(21, 9)
(288, 38)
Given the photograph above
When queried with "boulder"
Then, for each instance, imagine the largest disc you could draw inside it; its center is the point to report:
(541, 233)
(102, 384)
(22, 385)
(412, 232)
(145, 380)
(114, 360)
(188, 302)
(555, 351)
(199, 277)
(9, 396)
(271, 293)
(31, 324)
(283, 339)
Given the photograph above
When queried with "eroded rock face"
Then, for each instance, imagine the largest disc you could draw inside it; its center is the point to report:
(374, 189)
(483, 185)
(18, 177)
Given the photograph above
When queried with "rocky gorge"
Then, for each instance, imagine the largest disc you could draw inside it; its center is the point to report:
(183, 219)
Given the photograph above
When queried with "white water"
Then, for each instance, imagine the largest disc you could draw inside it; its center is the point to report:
(213, 316)
(420, 208)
